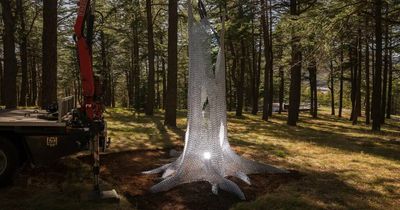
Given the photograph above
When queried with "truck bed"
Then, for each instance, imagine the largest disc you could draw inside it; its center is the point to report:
(26, 117)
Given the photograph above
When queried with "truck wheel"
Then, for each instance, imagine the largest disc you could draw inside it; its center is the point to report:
(8, 162)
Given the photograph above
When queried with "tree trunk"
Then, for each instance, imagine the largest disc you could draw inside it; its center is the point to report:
(376, 95)
(34, 86)
(23, 55)
(373, 59)
(10, 60)
(359, 77)
(112, 83)
(281, 88)
(385, 70)
(295, 72)
(240, 84)
(158, 90)
(151, 53)
(248, 75)
(126, 102)
(163, 75)
(136, 70)
(129, 78)
(390, 88)
(266, 36)
(357, 106)
(332, 88)
(164, 82)
(49, 60)
(367, 82)
(271, 60)
(104, 70)
(353, 79)
(171, 98)
(233, 73)
(341, 82)
(255, 74)
(312, 70)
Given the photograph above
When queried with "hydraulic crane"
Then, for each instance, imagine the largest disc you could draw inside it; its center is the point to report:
(91, 111)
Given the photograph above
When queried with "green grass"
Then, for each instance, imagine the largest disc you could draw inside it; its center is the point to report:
(345, 166)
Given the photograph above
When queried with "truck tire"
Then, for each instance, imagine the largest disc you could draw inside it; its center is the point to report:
(8, 162)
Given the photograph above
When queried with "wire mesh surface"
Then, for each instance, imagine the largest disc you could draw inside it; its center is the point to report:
(207, 155)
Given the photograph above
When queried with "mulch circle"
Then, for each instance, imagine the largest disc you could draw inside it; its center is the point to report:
(124, 170)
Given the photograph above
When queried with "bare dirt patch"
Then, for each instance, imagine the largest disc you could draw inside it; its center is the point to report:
(124, 170)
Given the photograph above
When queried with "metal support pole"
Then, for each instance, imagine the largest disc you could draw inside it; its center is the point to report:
(96, 163)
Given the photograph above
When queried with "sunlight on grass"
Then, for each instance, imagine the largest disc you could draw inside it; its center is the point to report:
(129, 130)
(345, 165)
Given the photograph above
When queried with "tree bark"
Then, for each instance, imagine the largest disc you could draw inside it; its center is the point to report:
(281, 88)
(158, 90)
(34, 85)
(372, 74)
(385, 69)
(163, 75)
(390, 88)
(171, 98)
(136, 69)
(104, 70)
(266, 36)
(295, 72)
(233, 73)
(49, 60)
(130, 80)
(271, 59)
(367, 82)
(10, 60)
(151, 54)
(341, 82)
(23, 55)
(240, 84)
(357, 106)
(255, 74)
(353, 79)
(376, 95)
(359, 74)
(248, 75)
(312, 70)
(281, 80)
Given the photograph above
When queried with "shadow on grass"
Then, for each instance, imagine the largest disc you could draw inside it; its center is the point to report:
(316, 190)
(326, 130)
(333, 134)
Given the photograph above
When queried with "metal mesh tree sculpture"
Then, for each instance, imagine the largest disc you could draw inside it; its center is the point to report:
(207, 155)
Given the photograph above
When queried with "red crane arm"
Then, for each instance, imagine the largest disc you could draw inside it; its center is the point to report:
(85, 60)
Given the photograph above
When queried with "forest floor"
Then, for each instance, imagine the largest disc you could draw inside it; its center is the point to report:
(333, 164)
